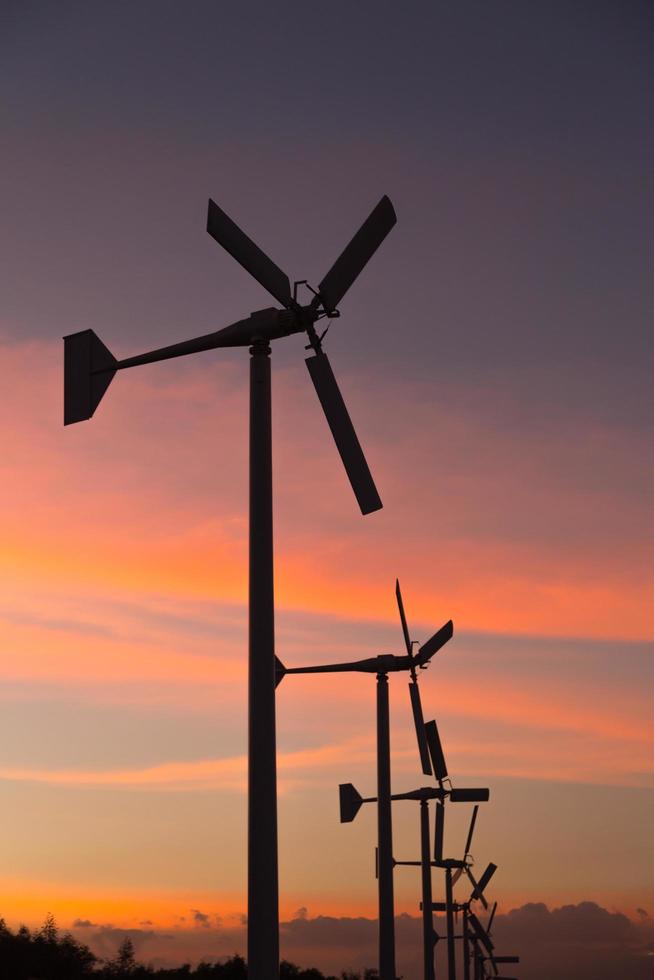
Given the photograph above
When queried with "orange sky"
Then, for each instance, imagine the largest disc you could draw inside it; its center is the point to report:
(124, 577)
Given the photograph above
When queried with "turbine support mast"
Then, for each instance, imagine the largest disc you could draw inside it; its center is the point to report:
(385, 835)
(263, 887)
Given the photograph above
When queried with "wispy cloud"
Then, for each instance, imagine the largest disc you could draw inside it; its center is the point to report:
(556, 548)
(227, 773)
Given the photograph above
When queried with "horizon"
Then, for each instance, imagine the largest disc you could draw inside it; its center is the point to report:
(583, 937)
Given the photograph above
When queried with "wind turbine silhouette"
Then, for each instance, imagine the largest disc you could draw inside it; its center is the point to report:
(477, 944)
(483, 946)
(351, 801)
(381, 666)
(89, 367)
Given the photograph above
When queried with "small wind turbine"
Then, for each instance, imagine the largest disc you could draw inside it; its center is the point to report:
(472, 936)
(484, 948)
(455, 907)
(381, 666)
(444, 791)
(89, 367)
(350, 804)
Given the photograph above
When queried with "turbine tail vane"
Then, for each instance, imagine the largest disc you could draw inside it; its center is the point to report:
(469, 795)
(89, 367)
(350, 802)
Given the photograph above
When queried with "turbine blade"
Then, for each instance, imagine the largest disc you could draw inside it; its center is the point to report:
(476, 891)
(489, 924)
(400, 606)
(439, 829)
(455, 877)
(221, 227)
(473, 821)
(419, 724)
(439, 639)
(89, 367)
(469, 795)
(481, 933)
(343, 432)
(436, 751)
(355, 256)
(485, 878)
(350, 802)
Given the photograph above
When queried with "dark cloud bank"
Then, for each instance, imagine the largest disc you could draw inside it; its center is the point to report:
(574, 942)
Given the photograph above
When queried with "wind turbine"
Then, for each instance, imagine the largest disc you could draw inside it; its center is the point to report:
(474, 934)
(444, 791)
(381, 666)
(350, 804)
(484, 948)
(89, 367)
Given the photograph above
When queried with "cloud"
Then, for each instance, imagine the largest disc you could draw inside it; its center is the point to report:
(201, 918)
(107, 940)
(227, 773)
(576, 942)
(84, 924)
(549, 550)
(572, 942)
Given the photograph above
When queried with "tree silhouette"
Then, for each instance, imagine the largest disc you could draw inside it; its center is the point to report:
(124, 963)
(45, 954)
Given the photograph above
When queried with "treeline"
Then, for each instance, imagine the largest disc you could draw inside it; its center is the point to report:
(47, 954)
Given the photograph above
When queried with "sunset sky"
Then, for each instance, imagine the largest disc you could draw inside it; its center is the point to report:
(496, 357)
